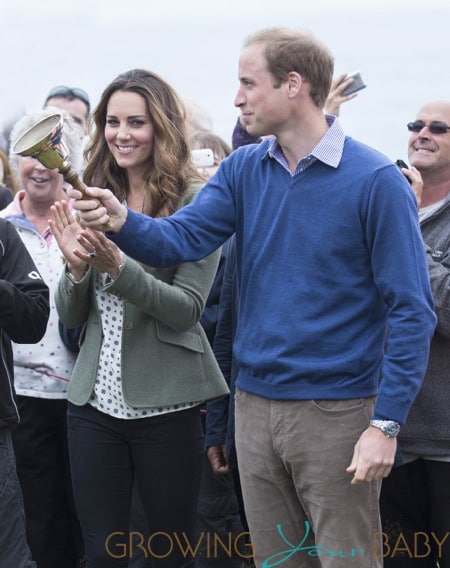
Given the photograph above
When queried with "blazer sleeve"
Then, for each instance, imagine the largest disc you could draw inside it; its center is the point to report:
(178, 304)
(73, 299)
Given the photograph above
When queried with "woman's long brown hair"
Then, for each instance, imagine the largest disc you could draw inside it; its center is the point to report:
(170, 169)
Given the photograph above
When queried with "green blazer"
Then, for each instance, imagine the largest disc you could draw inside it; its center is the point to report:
(166, 357)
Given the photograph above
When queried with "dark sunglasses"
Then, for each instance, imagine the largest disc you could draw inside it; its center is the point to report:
(435, 127)
(75, 92)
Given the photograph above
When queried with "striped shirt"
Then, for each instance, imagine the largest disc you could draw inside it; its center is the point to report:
(329, 149)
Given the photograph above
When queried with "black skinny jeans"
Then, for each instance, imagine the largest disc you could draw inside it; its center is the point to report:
(163, 454)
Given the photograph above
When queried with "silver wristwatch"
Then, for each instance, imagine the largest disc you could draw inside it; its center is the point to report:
(388, 427)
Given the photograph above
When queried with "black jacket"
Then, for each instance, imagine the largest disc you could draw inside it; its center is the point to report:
(220, 412)
(24, 311)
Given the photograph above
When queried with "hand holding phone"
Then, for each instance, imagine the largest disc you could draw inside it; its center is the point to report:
(401, 164)
(414, 178)
(357, 84)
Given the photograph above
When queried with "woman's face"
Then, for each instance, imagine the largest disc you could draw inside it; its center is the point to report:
(40, 184)
(128, 131)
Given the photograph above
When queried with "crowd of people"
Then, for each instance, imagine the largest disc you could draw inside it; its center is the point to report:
(233, 365)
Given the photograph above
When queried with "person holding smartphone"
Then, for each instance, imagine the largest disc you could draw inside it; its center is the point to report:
(415, 498)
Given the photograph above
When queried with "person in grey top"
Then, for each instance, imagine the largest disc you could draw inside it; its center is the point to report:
(415, 498)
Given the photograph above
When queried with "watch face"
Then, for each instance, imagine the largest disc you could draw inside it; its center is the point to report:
(389, 427)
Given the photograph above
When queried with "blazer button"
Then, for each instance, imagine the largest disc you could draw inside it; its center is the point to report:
(129, 325)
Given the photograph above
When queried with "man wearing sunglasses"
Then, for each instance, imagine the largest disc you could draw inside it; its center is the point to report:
(73, 100)
(415, 498)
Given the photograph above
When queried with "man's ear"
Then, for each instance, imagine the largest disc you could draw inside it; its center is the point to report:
(294, 83)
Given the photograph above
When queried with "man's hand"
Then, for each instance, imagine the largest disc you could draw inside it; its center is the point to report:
(415, 178)
(373, 456)
(218, 459)
(103, 212)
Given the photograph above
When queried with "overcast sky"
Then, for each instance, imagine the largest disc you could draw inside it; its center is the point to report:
(402, 47)
(207, 9)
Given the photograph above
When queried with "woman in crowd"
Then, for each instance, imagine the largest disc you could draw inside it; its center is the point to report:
(42, 371)
(144, 364)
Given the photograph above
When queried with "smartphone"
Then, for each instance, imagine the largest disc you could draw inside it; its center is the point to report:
(203, 158)
(402, 164)
(357, 85)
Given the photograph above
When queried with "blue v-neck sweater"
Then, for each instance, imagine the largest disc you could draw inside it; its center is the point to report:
(335, 301)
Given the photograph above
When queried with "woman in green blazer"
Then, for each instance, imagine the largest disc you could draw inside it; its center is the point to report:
(145, 364)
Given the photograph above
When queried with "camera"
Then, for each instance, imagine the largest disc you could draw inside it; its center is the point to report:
(357, 85)
(203, 158)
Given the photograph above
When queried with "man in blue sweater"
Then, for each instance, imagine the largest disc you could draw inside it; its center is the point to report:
(336, 312)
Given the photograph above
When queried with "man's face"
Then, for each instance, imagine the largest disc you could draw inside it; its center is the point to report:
(427, 151)
(263, 107)
(76, 108)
